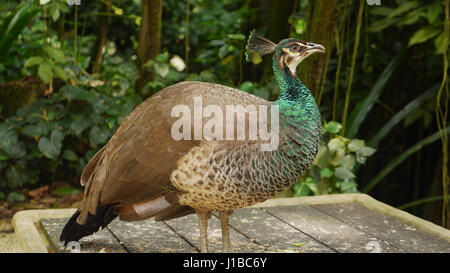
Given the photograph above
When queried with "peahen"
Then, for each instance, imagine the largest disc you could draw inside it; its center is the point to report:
(144, 171)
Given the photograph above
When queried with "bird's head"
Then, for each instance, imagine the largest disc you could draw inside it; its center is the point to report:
(287, 53)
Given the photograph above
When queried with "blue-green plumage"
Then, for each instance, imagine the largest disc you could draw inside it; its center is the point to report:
(299, 119)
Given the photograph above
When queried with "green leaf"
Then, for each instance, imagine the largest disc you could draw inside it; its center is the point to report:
(439, 44)
(56, 54)
(51, 148)
(360, 113)
(355, 145)
(312, 185)
(404, 112)
(66, 191)
(361, 159)
(162, 69)
(336, 144)
(337, 157)
(423, 34)
(366, 151)
(70, 155)
(32, 130)
(343, 173)
(78, 125)
(348, 186)
(3, 157)
(412, 17)
(98, 136)
(326, 173)
(247, 86)
(433, 12)
(16, 176)
(216, 42)
(384, 11)
(223, 50)
(382, 24)
(33, 61)
(348, 162)
(55, 14)
(15, 196)
(162, 57)
(301, 189)
(61, 73)
(333, 127)
(406, 6)
(256, 58)
(45, 72)
(237, 36)
(13, 25)
(8, 136)
(71, 92)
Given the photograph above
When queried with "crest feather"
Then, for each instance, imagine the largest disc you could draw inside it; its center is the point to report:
(258, 44)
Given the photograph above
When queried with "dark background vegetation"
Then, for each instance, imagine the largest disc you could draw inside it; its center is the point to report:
(69, 74)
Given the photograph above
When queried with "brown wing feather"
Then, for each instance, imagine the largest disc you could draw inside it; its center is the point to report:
(136, 163)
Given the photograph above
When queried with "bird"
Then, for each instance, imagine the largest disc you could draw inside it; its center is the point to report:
(145, 172)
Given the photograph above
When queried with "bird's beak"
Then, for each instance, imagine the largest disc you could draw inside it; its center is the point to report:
(313, 48)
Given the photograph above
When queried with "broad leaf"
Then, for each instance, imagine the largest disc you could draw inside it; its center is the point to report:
(98, 136)
(343, 173)
(423, 34)
(56, 54)
(70, 155)
(61, 73)
(45, 72)
(71, 92)
(33, 61)
(51, 147)
(355, 145)
(333, 127)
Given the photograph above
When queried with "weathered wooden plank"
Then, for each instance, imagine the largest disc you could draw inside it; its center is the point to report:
(272, 233)
(397, 233)
(187, 227)
(102, 241)
(149, 236)
(334, 233)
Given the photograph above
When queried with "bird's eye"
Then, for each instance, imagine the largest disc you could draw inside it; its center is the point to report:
(294, 47)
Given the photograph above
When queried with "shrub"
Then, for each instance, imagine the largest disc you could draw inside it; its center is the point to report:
(55, 137)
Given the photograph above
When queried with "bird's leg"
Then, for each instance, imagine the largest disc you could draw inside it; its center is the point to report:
(224, 215)
(203, 217)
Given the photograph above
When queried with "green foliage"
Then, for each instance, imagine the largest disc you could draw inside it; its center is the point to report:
(412, 13)
(66, 191)
(13, 24)
(60, 133)
(333, 169)
(166, 72)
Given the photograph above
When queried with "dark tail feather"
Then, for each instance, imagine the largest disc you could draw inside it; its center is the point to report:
(73, 231)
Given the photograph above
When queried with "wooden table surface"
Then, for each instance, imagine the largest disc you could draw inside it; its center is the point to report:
(337, 227)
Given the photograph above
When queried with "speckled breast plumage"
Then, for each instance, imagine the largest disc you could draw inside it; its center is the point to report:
(224, 175)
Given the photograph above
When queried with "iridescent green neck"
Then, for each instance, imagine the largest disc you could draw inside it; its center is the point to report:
(295, 98)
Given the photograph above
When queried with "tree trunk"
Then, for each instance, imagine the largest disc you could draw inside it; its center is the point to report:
(149, 39)
(99, 46)
(322, 21)
(16, 94)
